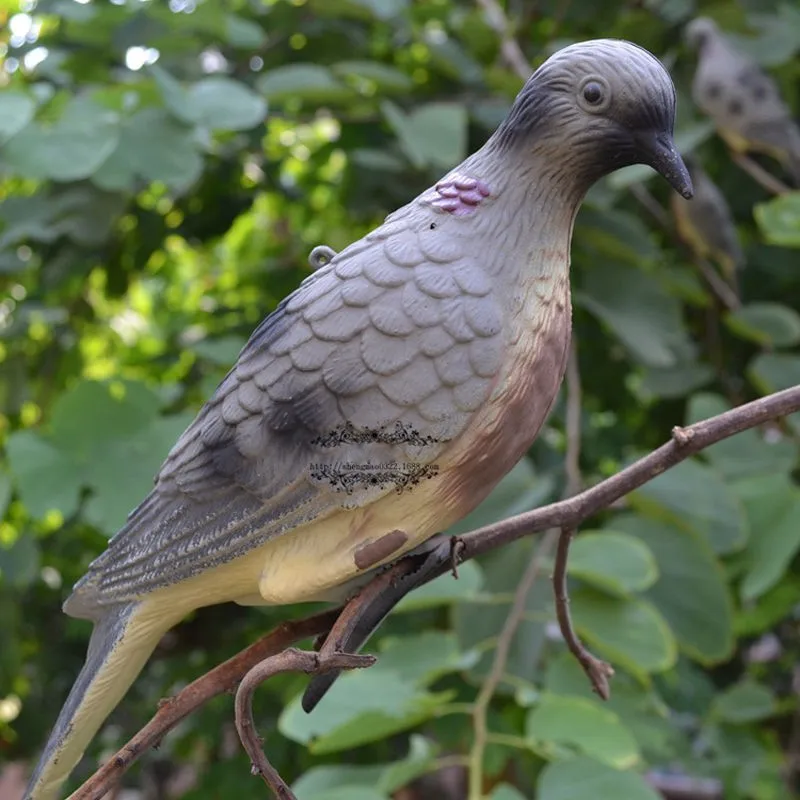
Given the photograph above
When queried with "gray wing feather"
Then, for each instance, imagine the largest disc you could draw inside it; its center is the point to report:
(399, 327)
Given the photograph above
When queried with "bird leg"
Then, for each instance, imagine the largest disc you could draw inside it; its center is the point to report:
(366, 610)
(759, 174)
(290, 660)
(596, 670)
(320, 256)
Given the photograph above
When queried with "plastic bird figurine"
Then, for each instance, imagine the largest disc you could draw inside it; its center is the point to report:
(705, 224)
(741, 99)
(386, 396)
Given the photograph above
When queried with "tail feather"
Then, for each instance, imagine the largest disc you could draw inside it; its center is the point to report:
(121, 642)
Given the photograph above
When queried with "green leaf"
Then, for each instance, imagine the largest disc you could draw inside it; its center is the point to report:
(612, 562)
(19, 563)
(241, 32)
(581, 724)
(445, 590)
(775, 371)
(746, 454)
(44, 475)
(640, 709)
(636, 309)
(6, 489)
(674, 382)
(385, 78)
(691, 592)
(420, 658)
(364, 706)
(432, 135)
(693, 494)
(70, 149)
(772, 504)
(16, 111)
(779, 219)
(506, 792)
(586, 779)
(323, 783)
(152, 147)
(107, 437)
(310, 82)
(745, 702)
(629, 632)
(766, 323)
(220, 103)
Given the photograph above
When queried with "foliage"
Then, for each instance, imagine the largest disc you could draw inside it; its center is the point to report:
(164, 171)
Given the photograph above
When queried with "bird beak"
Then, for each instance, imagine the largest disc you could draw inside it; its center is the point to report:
(658, 151)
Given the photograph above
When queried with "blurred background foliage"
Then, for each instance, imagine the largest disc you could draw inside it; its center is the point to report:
(165, 168)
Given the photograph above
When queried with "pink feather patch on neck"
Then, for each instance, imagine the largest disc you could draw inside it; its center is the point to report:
(459, 195)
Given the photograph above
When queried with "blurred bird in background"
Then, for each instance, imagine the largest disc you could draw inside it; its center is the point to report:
(706, 225)
(741, 99)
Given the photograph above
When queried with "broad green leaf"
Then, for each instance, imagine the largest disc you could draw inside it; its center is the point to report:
(363, 707)
(636, 309)
(586, 779)
(6, 488)
(506, 792)
(445, 590)
(690, 592)
(583, 725)
(107, 437)
(220, 103)
(16, 111)
(745, 702)
(44, 475)
(420, 658)
(766, 323)
(19, 563)
(772, 372)
(432, 135)
(638, 708)
(310, 82)
(673, 382)
(616, 235)
(772, 504)
(779, 219)
(628, 632)
(152, 147)
(746, 454)
(694, 495)
(241, 32)
(612, 562)
(70, 149)
(385, 78)
(319, 782)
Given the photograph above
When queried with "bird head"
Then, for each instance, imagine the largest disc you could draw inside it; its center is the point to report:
(596, 106)
(699, 32)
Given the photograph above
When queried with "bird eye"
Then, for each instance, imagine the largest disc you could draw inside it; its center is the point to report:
(593, 93)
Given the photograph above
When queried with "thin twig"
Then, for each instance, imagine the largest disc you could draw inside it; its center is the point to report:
(480, 731)
(509, 46)
(765, 179)
(598, 671)
(290, 660)
(219, 680)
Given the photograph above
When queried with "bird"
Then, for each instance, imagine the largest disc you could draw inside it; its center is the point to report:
(741, 99)
(706, 225)
(384, 398)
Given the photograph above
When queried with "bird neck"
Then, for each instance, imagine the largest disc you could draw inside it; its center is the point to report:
(535, 208)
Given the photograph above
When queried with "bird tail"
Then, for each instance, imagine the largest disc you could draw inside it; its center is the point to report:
(121, 642)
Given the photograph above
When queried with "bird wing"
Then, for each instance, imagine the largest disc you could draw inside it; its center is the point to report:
(400, 333)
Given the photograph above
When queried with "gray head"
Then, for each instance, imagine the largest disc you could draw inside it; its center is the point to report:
(597, 106)
(699, 32)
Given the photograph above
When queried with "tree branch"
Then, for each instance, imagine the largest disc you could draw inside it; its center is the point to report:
(564, 514)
